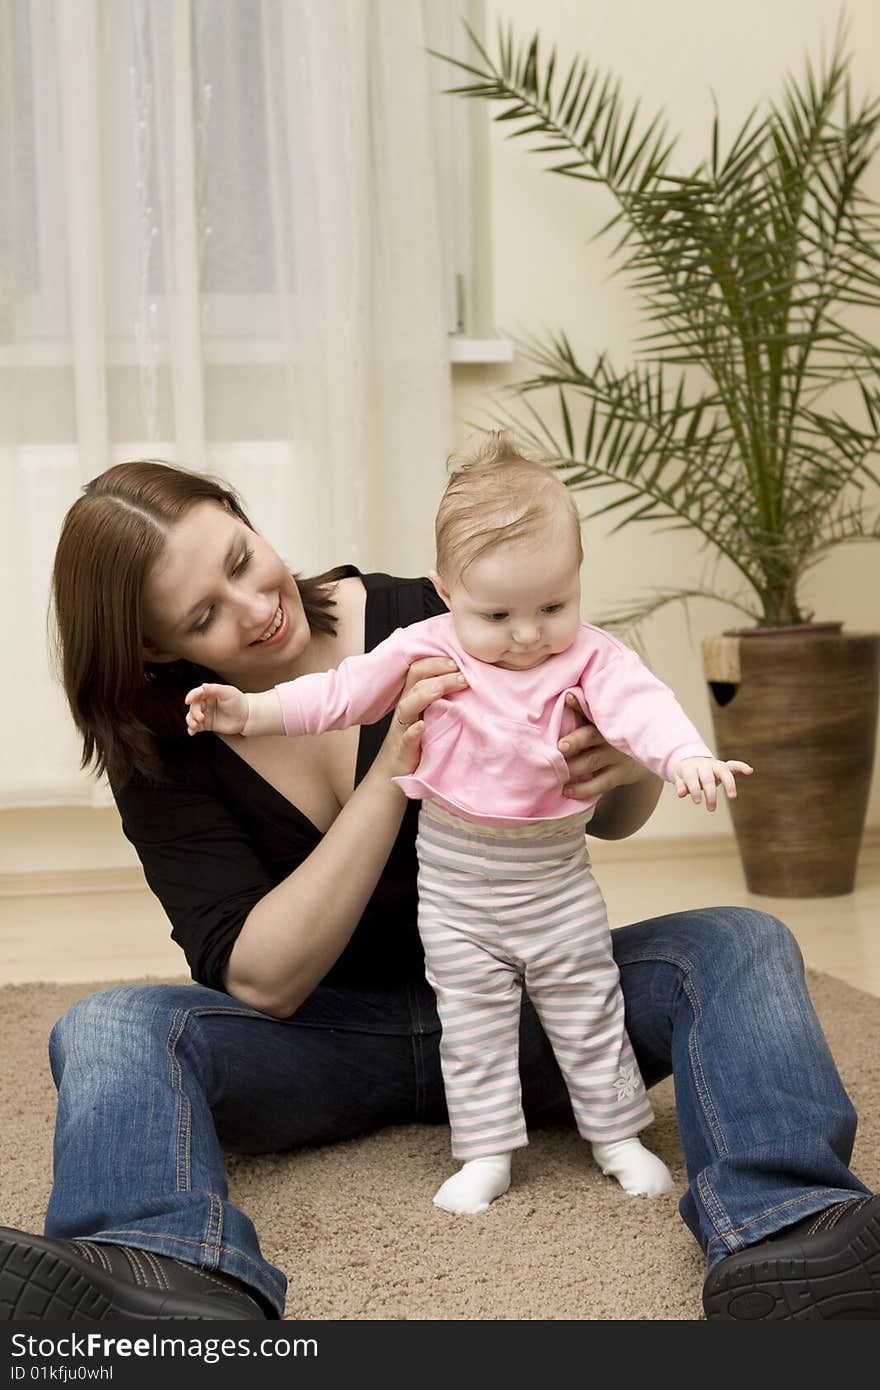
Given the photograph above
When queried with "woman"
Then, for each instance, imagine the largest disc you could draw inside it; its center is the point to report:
(287, 870)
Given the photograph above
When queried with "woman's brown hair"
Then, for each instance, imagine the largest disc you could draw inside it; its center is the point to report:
(110, 539)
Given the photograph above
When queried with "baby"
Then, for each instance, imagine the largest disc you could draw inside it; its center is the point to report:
(506, 895)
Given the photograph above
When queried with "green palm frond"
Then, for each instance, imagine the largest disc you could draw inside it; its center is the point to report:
(628, 620)
(578, 114)
(748, 270)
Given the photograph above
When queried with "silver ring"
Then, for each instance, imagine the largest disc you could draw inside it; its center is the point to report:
(400, 721)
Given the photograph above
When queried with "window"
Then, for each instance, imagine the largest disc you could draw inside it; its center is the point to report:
(242, 209)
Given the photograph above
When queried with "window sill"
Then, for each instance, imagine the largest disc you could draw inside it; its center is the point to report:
(464, 350)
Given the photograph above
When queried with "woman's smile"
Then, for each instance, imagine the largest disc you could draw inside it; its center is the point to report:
(276, 631)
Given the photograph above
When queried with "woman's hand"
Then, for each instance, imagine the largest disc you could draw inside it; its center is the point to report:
(426, 682)
(629, 791)
(594, 766)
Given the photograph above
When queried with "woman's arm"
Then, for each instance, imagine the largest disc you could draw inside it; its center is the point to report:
(297, 930)
(625, 808)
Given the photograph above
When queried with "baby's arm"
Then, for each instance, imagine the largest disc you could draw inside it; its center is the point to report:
(361, 688)
(640, 715)
(224, 710)
(359, 691)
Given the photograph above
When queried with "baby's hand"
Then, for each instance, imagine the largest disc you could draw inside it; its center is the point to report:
(220, 708)
(693, 776)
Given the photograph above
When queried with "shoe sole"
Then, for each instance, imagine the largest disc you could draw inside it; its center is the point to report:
(844, 1284)
(38, 1283)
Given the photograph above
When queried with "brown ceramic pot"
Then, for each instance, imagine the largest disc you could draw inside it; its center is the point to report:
(800, 705)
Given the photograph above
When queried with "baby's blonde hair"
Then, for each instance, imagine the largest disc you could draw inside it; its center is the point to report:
(495, 494)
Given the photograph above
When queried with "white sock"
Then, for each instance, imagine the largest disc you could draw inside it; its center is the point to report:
(477, 1184)
(638, 1171)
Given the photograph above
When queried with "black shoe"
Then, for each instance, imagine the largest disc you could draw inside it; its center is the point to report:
(826, 1266)
(64, 1280)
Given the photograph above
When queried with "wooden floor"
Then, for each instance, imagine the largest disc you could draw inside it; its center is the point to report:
(123, 933)
(840, 936)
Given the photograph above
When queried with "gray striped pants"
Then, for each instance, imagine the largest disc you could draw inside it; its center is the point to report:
(499, 910)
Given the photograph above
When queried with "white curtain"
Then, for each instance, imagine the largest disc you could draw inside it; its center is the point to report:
(220, 245)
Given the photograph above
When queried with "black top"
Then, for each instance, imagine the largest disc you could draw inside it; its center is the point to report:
(215, 837)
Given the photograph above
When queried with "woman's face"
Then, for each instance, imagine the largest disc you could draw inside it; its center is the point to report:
(220, 596)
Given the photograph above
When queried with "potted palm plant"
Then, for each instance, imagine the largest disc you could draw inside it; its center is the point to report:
(749, 416)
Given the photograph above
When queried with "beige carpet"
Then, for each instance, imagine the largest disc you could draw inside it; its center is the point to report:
(354, 1229)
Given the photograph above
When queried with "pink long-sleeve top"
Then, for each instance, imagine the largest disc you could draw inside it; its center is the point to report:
(489, 751)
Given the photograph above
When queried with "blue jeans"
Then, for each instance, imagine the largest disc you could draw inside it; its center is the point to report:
(155, 1082)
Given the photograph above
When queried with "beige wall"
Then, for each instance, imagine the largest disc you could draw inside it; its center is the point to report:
(60, 840)
(674, 55)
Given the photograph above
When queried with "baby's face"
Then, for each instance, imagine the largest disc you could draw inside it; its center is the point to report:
(520, 604)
